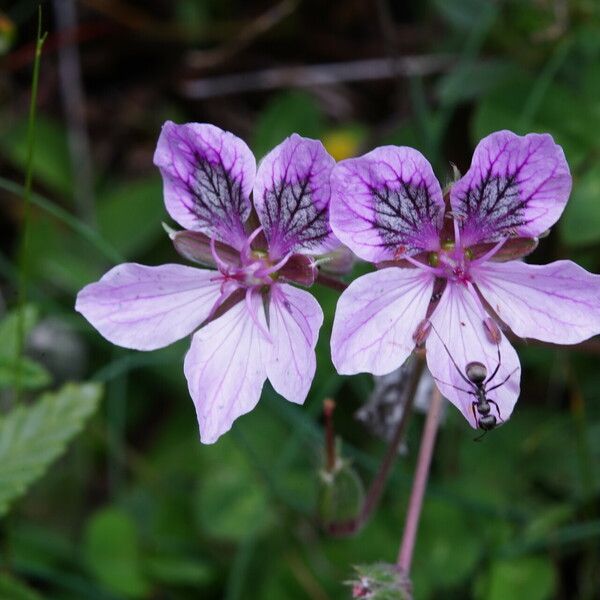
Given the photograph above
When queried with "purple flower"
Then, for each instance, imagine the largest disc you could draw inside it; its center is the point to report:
(452, 274)
(251, 323)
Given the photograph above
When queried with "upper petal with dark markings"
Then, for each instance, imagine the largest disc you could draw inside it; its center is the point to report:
(387, 203)
(291, 196)
(516, 185)
(208, 175)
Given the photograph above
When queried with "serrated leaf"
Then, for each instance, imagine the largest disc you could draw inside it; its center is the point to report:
(32, 437)
(112, 552)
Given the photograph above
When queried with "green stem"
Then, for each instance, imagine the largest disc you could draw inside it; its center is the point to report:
(23, 267)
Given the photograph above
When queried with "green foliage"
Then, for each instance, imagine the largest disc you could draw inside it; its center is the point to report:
(32, 437)
(13, 589)
(532, 578)
(51, 164)
(129, 214)
(232, 504)
(112, 552)
(287, 113)
(30, 374)
(580, 224)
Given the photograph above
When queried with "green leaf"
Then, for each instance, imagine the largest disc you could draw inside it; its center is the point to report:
(179, 571)
(232, 503)
(25, 372)
(289, 112)
(112, 552)
(129, 215)
(16, 590)
(32, 437)
(580, 223)
(528, 577)
(437, 564)
(51, 162)
(9, 328)
(473, 80)
(31, 375)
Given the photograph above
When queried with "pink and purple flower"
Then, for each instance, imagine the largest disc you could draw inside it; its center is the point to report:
(250, 324)
(449, 270)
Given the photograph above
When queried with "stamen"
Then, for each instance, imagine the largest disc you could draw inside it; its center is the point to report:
(490, 252)
(420, 265)
(246, 248)
(221, 264)
(254, 316)
(276, 266)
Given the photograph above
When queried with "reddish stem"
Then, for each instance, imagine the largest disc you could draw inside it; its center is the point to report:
(328, 408)
(349, 527)
(417, 493)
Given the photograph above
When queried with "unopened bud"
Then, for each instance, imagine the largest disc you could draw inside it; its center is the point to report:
(492, 330)
(422, 332)
(341, 494)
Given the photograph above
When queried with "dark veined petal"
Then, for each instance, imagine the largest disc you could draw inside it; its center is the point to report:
(516, 185)
(387, 203)
(208, 175)
(291, 197)
(458, 323)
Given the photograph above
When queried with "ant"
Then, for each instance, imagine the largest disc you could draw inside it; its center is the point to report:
(475, 376)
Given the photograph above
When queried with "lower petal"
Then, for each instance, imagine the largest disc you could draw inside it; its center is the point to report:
(225, 368)
(376, 318)
(559, 302)
(295, 318)
(145, 308)
(457, 338)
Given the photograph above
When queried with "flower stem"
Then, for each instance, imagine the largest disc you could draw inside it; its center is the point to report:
(415, 503)
(349, 527)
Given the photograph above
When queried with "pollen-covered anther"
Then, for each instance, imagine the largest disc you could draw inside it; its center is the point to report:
(422, 332)
(492, 331)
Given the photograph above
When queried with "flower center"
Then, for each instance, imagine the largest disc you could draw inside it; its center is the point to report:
(452, 262)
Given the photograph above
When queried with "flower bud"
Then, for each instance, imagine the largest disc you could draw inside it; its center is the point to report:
(341, 494)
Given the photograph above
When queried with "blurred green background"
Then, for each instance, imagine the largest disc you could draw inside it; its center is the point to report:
(136, 507)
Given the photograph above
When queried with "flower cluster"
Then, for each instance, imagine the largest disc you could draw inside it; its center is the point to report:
(449, 275)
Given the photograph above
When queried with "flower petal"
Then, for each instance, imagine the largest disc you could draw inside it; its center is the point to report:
(515, 185)
(291, 196)
(145, 308)
(208, 175)
(225, 368)
(559, 302)
(386, 203)
(458, 323)
(376, 318)
(295, 318)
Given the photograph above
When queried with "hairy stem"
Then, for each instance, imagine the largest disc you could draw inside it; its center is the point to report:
(417, 493)
(349, 527)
